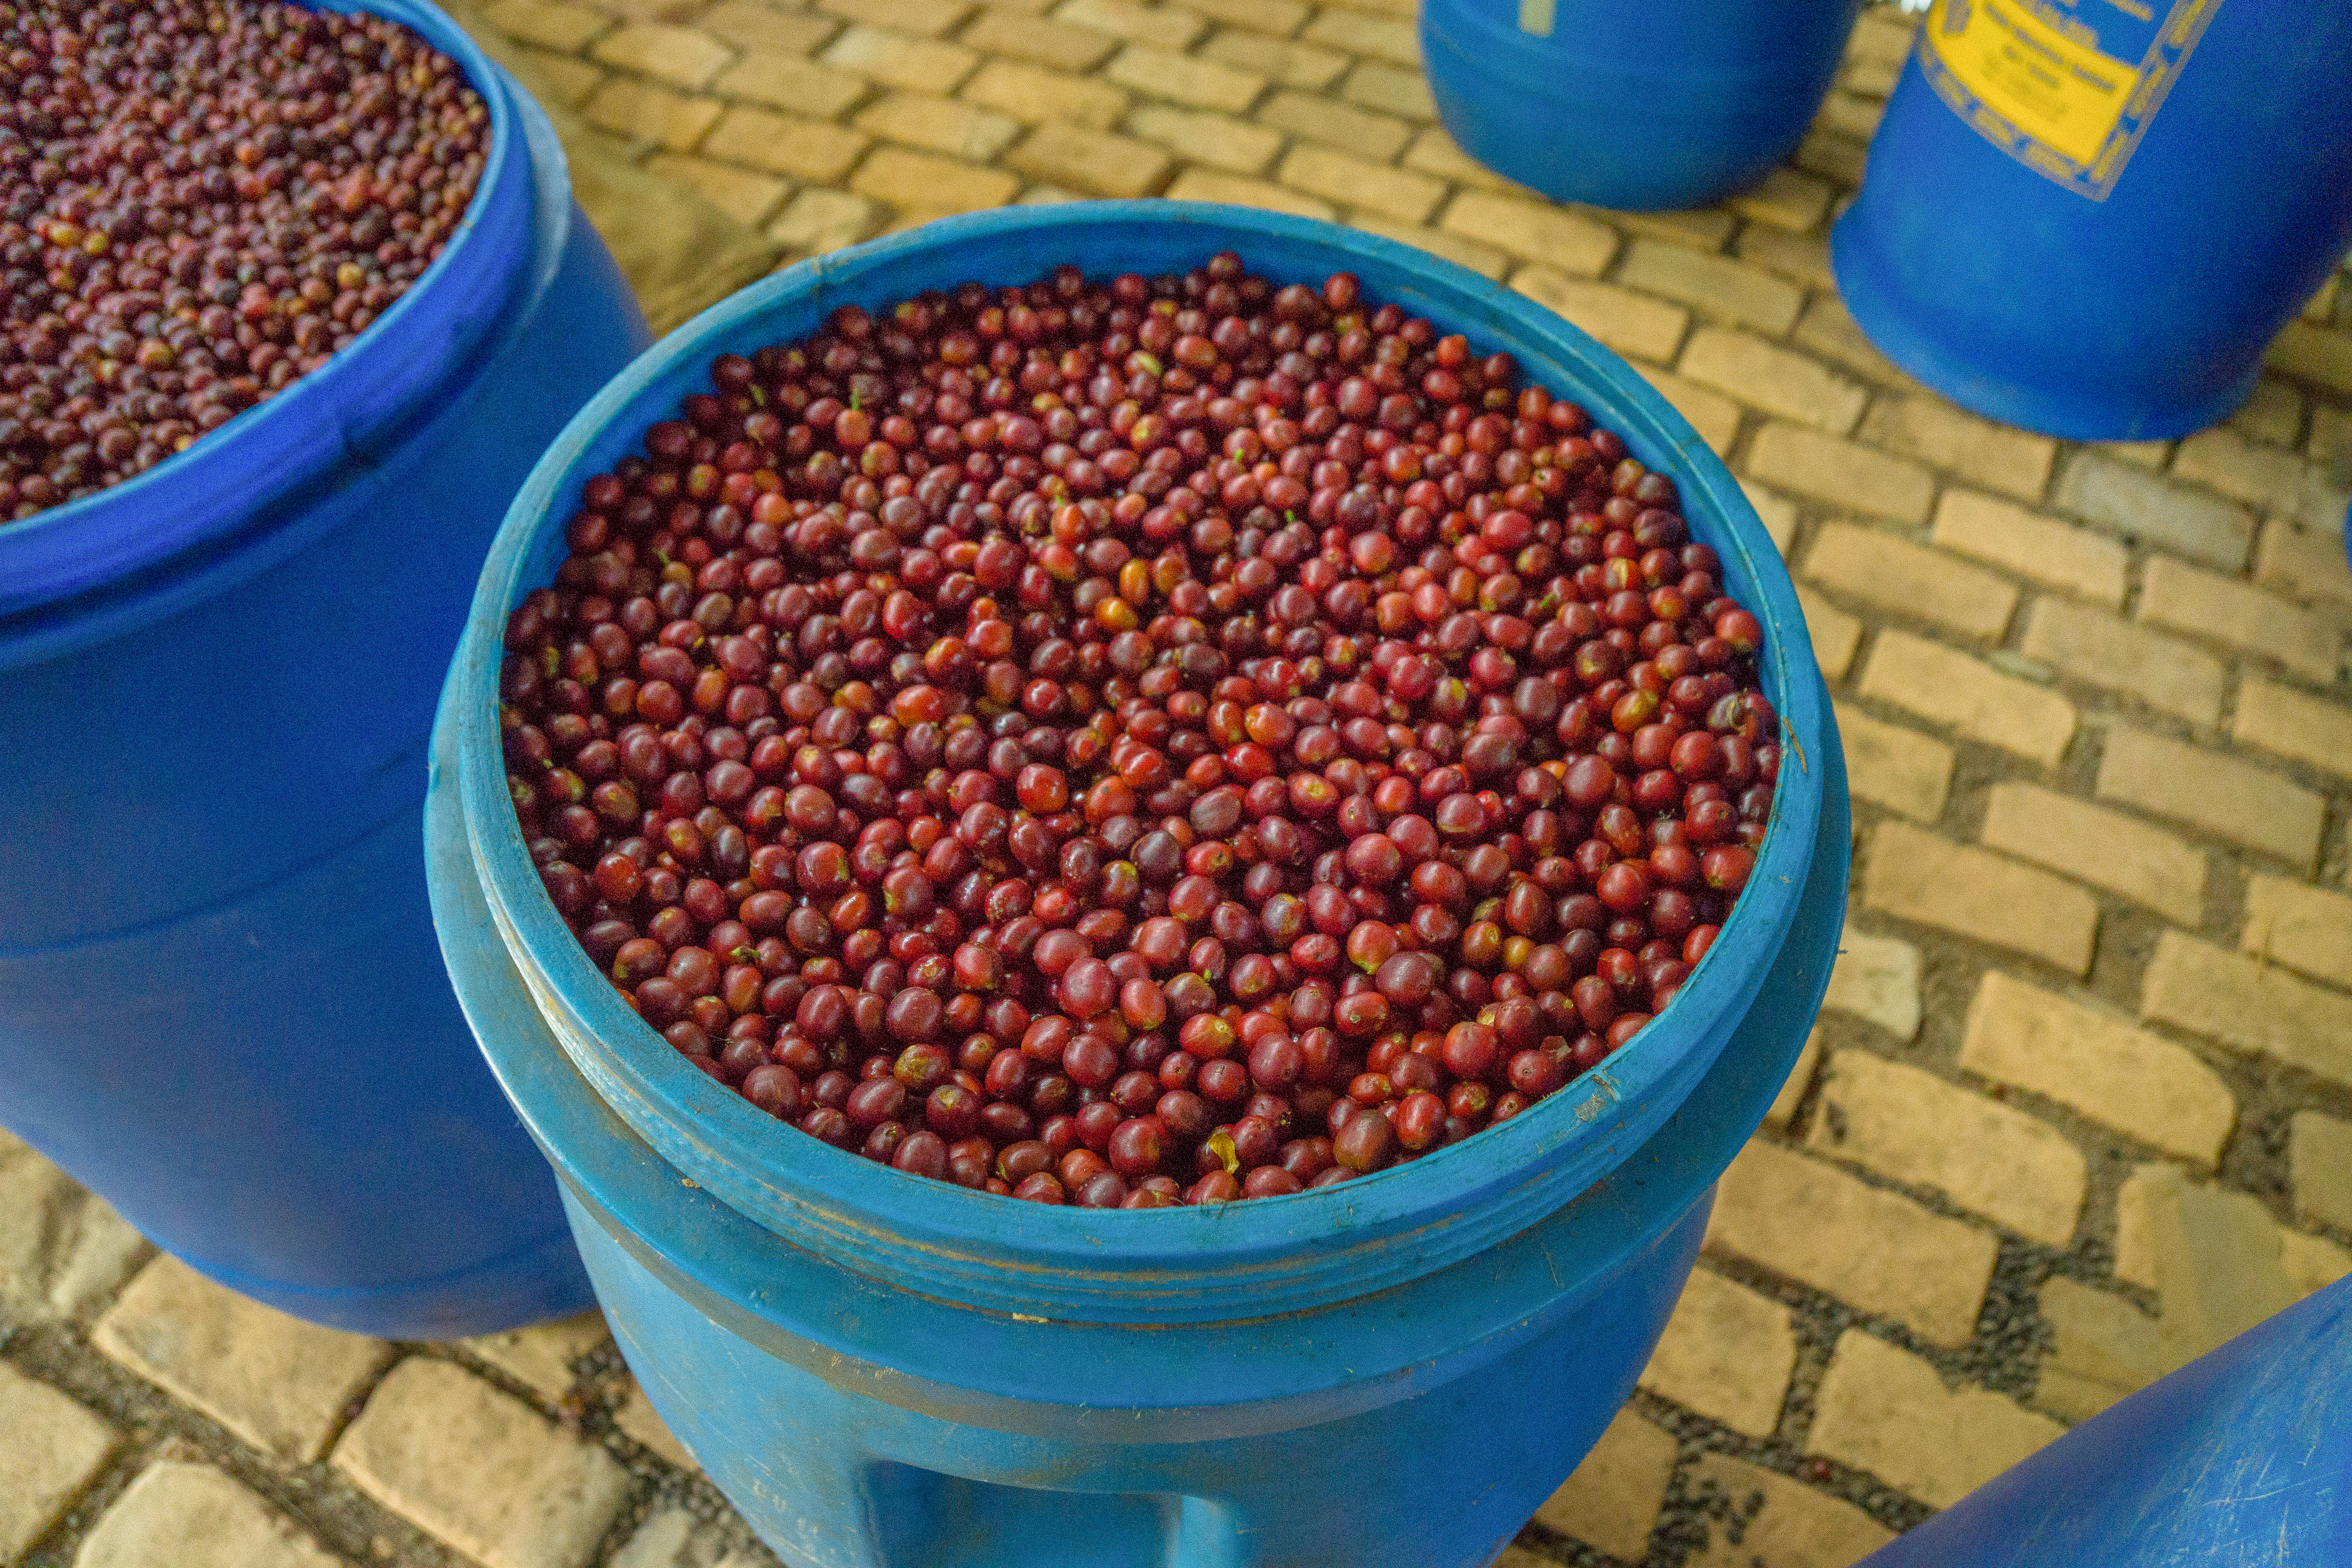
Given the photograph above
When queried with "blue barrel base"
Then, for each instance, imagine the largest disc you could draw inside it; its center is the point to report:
(1661, 107)
(535, 1283)
(875, 1486)
(1955, 368)
(336, 1147)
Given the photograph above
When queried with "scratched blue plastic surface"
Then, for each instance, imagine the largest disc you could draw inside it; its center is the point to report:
(883, 1371)
(2142, 315)
(1672, 103)
(220, 1004)
(2240, 1460)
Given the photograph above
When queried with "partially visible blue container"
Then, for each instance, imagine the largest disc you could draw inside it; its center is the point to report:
(220, 1004)
(2107, 258)
(882, 1371)
(1674, 103)
(2240, 1460)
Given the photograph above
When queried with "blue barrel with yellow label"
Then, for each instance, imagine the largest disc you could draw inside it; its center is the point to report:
(2090, 218)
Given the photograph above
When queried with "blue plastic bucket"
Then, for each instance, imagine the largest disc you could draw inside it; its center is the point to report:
(1675, 103)
(220, 1007)
(2241, 1458)
(2104, 255)
(879, 1370)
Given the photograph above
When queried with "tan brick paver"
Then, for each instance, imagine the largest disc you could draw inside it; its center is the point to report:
(2132, 1081)
(1911, 579)
(1910, 1126)
(1613, 1497)
(1883, 1410)
(192, 1516)
(1883, 1253)
(50, 1449)
(527, 1496)
(2226, 798)
(1949, 687)
(276, 1382)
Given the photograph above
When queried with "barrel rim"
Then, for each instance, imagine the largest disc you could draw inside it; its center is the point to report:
(249, 475)
(1188, 1263)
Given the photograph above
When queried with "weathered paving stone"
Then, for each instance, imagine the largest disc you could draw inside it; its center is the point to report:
(674, 1538)
(2299, 926)
(1947, 686)
(2105, 848)
(1911, 579)
(2102, 1349)
(541, 1357)
(2319, 1163)
(1876, 978)
(1994, 456)
(277, 1381)
(1714, 285)
(1906, 1123)
(1727, 1353)
(2137, 504)
(1883, 1410)
(2217, 1260)
(63, 1251)
(1970, 892)
(1889, 765)
(180, 1514)
(2305, 564)
(2040, 548)
(2249, 1005)
(1614, 1496)
(1877, 1250)
(1756, 1519)
(2295, 725)
(2226, 798)
(50, 1451)
(527, 1496)
(1531, 230)
(2136, 1082)
(2241, 615)
(1629, 323)
(1715, 416)
(2091, 645)
(1771, 379)
(1842, 472)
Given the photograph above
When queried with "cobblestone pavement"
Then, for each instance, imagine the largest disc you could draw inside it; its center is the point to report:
(2080, 1106)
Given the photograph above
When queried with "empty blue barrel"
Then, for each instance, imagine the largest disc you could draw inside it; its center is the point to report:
(884, 1372)
(1674, 103)
(221, 1006)
(2092, 221)
(2240, 1460)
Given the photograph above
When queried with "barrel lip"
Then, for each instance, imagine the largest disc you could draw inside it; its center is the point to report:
(1187, 1265)
(252, 474)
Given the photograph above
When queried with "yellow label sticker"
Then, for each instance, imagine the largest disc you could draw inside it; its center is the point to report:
(2066, 89)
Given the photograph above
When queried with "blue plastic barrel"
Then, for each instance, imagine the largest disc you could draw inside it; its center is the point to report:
(1672, 103)
(220, 1003)
(2096, 230)
(880, 1370)
(2240, 1460)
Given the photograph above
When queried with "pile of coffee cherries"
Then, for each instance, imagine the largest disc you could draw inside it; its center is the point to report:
(200, 202)
(1137, 742)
